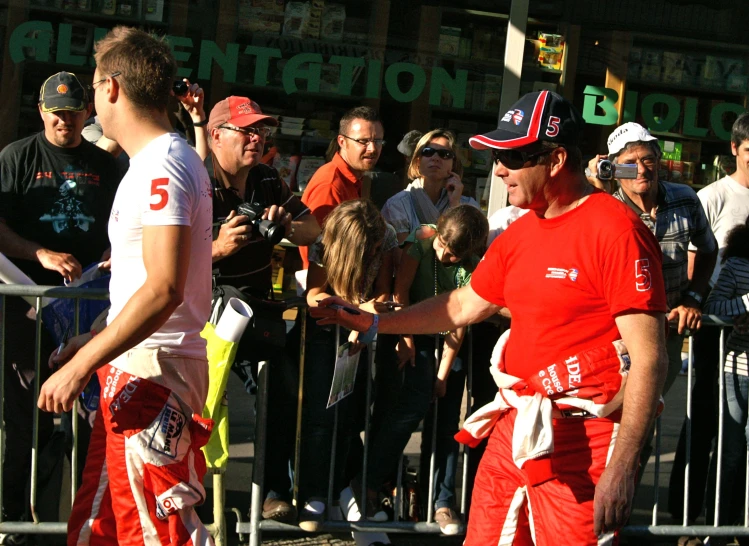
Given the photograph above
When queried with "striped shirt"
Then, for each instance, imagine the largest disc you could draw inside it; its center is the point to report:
(679, 220)
(730, 298)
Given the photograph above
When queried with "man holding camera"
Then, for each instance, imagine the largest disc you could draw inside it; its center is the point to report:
(252, 204)
(675, 216)
(57, 190)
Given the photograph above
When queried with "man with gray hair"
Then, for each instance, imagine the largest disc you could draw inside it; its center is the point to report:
(675, 216)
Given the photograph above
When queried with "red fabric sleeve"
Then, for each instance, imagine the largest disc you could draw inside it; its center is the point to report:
(632, 273)
(488, 279)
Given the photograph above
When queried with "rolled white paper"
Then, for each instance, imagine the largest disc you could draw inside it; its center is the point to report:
(10, 274)
(234, 320)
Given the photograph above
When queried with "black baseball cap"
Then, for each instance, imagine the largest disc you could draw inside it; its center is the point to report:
(63, 91)
(535, 117)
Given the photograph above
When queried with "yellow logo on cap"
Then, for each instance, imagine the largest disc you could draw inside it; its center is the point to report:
(62, 89)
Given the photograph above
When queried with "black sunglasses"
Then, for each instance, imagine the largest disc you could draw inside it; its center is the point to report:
(515, 159)
(444, 154)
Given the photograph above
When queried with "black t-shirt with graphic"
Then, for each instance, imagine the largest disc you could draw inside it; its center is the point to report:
(59, 198)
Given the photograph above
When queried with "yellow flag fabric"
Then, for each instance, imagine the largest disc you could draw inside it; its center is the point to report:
(221, 355)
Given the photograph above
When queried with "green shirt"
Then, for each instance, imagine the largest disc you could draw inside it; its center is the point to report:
(432, 276)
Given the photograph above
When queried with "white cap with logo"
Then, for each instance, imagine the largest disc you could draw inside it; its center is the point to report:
(627, 133)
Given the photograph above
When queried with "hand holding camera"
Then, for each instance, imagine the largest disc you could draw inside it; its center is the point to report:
(192, 98)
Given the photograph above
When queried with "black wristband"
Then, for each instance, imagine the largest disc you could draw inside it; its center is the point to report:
(200, 123)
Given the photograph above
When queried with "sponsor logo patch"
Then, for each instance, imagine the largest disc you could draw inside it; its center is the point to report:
(166, 437)
(62, 89)
(562, 273)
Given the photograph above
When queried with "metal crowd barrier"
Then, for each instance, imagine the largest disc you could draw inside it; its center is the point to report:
(256, 525)
(37, 294)
(686, 529)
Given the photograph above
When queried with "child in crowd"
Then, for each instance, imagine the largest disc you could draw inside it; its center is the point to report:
(437, 261)
(730, 298)
(353, 260)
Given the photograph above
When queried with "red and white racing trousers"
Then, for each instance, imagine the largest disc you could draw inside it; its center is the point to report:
(547, 502)
(144, 468)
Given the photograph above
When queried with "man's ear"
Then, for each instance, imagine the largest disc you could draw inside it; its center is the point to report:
(734, 149)
(557, 159)
(341, 141)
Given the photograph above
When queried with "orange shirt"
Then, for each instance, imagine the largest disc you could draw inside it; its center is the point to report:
(332, 184)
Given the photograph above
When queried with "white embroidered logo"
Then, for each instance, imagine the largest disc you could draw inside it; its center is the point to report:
(561, 273)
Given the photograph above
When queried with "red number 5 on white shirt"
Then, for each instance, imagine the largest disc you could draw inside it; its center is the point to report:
(157, 189)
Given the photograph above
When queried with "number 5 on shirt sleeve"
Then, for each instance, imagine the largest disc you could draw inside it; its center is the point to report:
(158, 189)
(642, 275)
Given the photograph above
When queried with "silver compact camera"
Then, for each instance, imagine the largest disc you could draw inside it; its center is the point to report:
(609, 171)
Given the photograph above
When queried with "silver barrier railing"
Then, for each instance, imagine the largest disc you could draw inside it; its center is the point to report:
(36, 296)
(686, 529)
(256, 525)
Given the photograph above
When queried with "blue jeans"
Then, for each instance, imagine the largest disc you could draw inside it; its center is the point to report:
(318, 422)
(735, 437)
(447, 449)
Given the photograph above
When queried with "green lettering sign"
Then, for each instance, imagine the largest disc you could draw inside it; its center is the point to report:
(263, 55)
(64, 39)
(716, 118)
(210, 51)
(36, 35)
(456, 86)
(690, 119)
(374, 79)
(417, 86)
(346, 81)
(181, 56)
(607, 104)
(294, 70)
(657, 123)
(630, 106)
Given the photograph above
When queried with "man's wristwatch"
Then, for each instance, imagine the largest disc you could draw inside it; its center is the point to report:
(695, 296)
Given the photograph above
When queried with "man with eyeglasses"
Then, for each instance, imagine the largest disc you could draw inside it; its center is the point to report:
(675, 216)
(360, 141)
(581, 274)
(55, 196)
(242, 267)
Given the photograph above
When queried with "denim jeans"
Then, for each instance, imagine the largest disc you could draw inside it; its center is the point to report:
(318, 422)
(735, 436)
(446, 449)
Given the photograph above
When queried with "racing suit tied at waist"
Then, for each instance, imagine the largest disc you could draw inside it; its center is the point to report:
(592, 381)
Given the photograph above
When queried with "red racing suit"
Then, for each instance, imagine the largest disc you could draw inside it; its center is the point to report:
(144, 469)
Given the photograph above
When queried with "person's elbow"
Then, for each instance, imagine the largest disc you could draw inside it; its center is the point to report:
(166, 296)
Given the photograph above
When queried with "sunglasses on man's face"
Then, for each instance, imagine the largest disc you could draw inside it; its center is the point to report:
(515, 159)
(444, 154)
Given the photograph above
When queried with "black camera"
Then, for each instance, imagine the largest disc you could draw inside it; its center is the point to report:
(270, 231)
(179, 88)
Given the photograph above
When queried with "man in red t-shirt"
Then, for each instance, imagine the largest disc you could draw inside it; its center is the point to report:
(579, 274)
(360, 140)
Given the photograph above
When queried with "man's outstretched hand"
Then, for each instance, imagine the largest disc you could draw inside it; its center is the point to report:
(335, 310)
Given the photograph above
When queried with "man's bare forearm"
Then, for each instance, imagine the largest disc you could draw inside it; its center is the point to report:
(144, 313)
(15, 246)
(447, 311)
(702, 269)
(306, 230)
(645, 341)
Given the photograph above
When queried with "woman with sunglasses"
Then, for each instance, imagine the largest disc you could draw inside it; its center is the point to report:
(436, 185)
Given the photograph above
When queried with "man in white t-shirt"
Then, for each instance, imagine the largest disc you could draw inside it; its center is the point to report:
(150, 359)
(726, 204)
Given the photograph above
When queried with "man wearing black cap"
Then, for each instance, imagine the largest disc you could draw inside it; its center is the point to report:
(242, 267)
(580, 275)
(56, 191)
